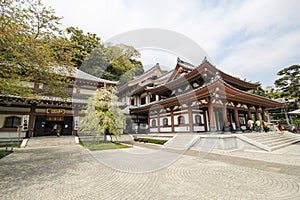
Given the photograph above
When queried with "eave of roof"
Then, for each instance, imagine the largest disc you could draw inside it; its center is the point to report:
(232, 93)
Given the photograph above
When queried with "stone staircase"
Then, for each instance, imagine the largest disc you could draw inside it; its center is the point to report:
(181, 141)
(272, 140)
(48, 141)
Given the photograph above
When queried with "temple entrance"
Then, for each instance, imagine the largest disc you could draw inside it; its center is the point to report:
(219, 119)
(50, 128)
(44, 125)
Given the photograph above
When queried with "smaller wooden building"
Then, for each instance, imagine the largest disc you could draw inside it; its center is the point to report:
(37, 118)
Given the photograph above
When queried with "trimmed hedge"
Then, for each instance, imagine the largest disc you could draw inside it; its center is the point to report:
(150, 140)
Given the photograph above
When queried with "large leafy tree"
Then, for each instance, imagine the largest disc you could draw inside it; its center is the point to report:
(289, 83)
(259, 91)
(31, 44)
(112, 62)
(102, 114)
(271, 93)
(82, 44)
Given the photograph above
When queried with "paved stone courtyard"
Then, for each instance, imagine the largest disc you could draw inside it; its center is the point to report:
(71, 172)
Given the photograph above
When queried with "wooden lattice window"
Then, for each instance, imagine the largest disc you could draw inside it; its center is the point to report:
(12, 122)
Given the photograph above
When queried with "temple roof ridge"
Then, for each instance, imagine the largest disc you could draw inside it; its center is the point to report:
(156, 66)
(185, 64)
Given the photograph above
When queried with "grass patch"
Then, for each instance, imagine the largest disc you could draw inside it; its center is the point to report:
(14, 145)
(94, 146)
(4, 153)
(150, 140)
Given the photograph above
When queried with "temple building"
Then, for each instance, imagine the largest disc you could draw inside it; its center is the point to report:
(125, 91)
(192, 99)
(20, 118)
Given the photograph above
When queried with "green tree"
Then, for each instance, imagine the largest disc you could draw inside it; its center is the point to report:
(259, 91)
(111, 62)
(82, 44)
(130, 74)
(289, 83)
(271, 93)
(31, 44)
(102, 114)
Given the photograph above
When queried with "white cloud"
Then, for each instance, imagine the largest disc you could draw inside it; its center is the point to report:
(241, 37)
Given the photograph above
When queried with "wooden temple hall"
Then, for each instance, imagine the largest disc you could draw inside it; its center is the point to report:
(197, 99)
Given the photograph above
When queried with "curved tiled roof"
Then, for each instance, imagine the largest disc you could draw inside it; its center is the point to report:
(204, 91)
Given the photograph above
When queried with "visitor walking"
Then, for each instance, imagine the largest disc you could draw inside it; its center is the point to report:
(280, 128)
(250, 124)
(294, 128)
(258, 127)
(265, 126)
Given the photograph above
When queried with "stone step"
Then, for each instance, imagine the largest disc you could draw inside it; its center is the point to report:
(181, 141)
(273, 139)
(47, 141)
(262, 135)
(282, 145)
(287, 141)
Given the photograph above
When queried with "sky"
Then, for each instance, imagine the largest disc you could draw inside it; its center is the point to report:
(251, 40)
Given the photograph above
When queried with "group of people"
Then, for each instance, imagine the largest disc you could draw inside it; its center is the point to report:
(257, 125)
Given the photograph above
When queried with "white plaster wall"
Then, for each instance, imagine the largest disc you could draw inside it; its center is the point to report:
(11, 134)
(69, 112)
(2, 119)
(207, 121)
(88, 92)
(167, 129)
(199, 128)
(182, 129)
(15, 109)
(153, 130)
(40, 110)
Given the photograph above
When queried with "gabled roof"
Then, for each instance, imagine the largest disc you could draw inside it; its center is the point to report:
(295, 112)
(141, 78)
(78, 74)
(238, 83)
(194, 72)
(181, 67)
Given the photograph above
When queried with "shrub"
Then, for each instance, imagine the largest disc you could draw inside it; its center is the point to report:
(150, 140)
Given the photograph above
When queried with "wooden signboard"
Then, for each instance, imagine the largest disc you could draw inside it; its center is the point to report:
(51, 111)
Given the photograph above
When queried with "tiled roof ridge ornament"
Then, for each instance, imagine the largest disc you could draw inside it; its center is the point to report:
(178, 59)
(218, 75)
(204, 59)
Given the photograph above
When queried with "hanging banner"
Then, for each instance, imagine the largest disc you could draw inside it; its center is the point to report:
(25, 121)
(76, 123)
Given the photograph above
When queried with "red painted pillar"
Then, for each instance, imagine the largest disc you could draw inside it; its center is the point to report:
(236, 119)
(31, 120)
(225, 119)
(211, 116)
(191, 119)
(172, 121)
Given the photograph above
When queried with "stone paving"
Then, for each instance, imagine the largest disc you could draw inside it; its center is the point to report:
(71, 172)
